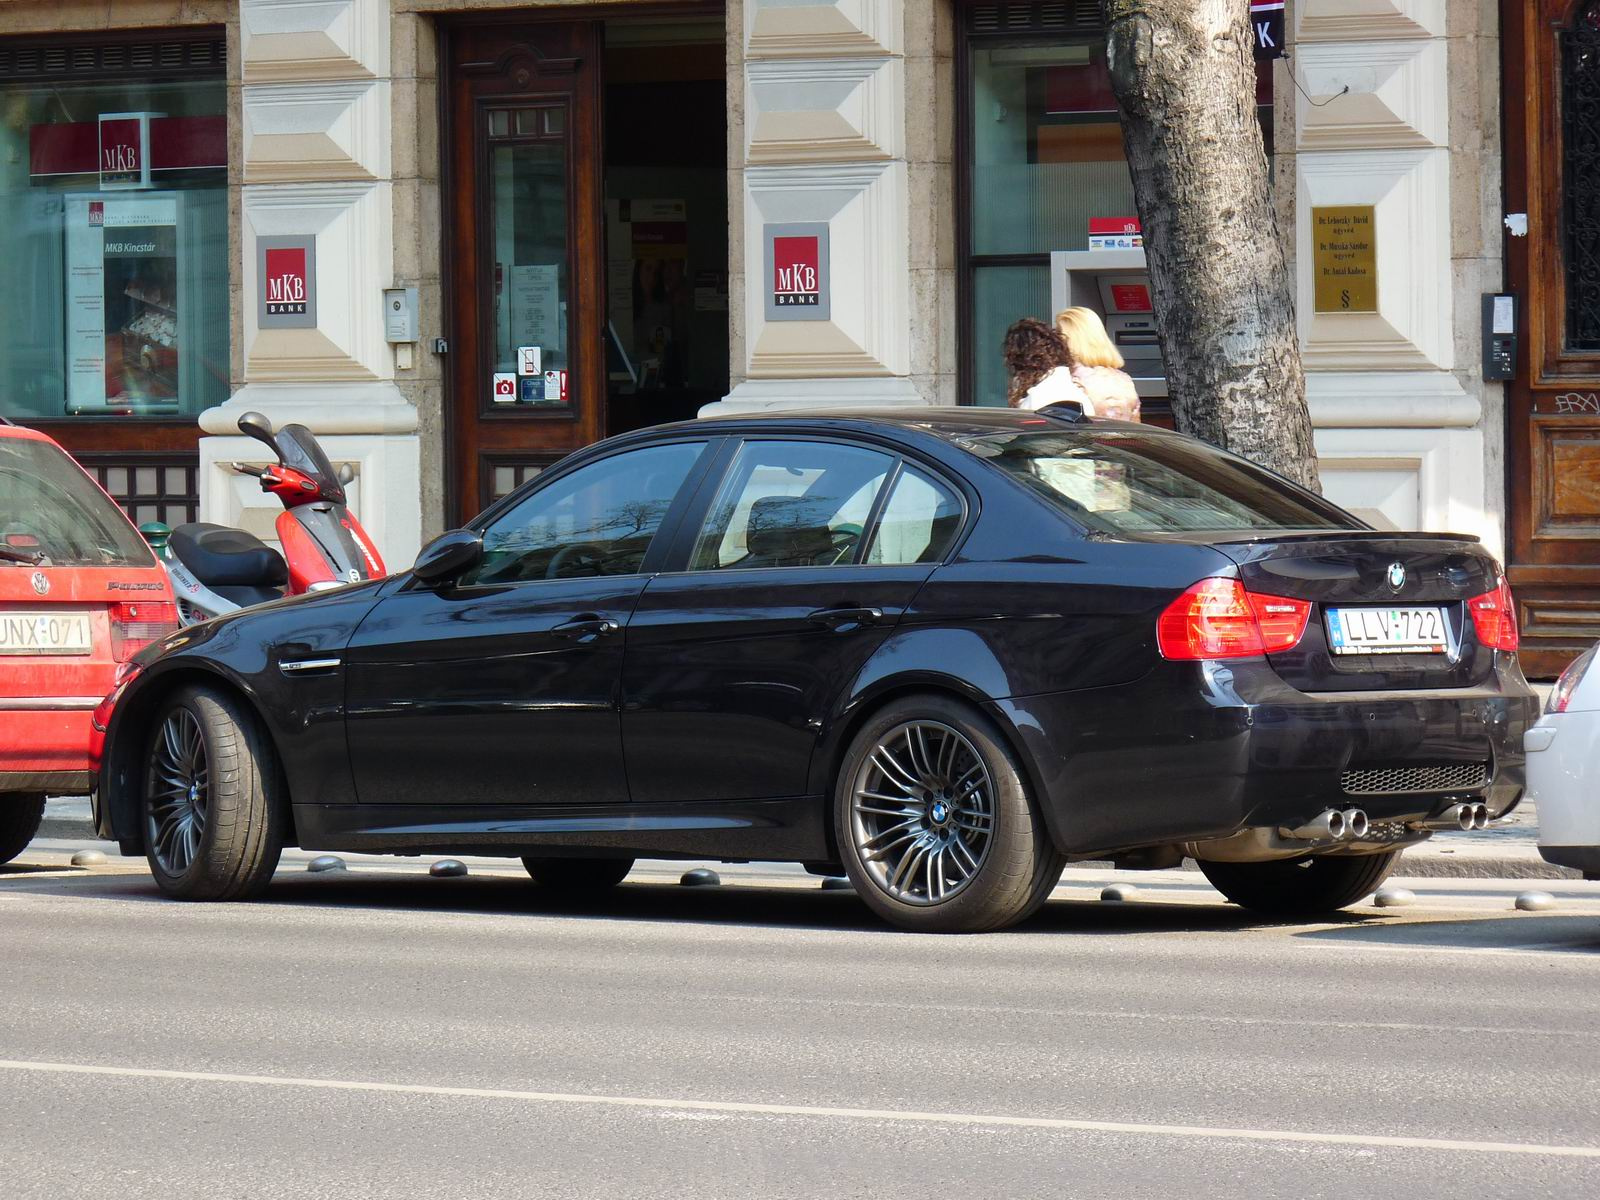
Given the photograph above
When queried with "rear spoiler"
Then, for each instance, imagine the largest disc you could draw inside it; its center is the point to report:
(1341, 535)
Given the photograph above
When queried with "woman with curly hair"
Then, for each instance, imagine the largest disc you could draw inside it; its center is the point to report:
(1040, 368)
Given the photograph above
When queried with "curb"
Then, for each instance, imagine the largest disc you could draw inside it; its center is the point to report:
(1432, 865)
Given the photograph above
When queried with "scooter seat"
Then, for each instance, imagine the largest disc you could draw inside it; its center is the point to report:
(221, 557)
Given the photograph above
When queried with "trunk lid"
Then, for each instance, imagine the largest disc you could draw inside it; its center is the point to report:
(1358, 570)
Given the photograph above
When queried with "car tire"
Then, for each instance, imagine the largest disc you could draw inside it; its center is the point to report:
(21, 814)
(1301, 887)
(935, 824)
(215, 808)
(577, 874)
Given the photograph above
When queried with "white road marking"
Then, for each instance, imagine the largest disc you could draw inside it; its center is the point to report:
(677, 1107)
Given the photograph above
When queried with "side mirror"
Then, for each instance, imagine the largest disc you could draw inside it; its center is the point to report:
(447, 556)
(347, 474)
(253, 424)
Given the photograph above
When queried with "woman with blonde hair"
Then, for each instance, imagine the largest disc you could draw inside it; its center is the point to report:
(1097, 365)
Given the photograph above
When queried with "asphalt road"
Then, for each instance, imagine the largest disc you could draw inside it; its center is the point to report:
(381, 1033)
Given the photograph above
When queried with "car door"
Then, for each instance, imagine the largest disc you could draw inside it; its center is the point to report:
(808, 554)
(501, 688)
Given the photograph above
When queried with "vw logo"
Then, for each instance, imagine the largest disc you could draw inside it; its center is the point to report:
(1397, 576)
(41, 583)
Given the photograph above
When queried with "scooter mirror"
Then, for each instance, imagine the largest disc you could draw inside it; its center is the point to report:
(347, 474)
(447, 556)
(253, 424)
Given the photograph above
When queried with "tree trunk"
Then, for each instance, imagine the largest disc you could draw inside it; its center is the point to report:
(1184, 76)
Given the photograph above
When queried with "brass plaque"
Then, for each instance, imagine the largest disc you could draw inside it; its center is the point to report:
(1345, 259)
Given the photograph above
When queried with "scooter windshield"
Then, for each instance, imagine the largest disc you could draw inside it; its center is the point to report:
(300, 450)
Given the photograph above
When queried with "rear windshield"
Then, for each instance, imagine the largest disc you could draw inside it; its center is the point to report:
(1129, 482)
(49, 507)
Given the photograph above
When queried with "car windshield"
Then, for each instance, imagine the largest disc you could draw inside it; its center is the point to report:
(51, 512)
(1131, 482)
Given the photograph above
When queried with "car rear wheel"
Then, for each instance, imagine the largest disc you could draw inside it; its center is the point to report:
(577, 874)
(213, 804)
(1301, 887)
(935, 824)
(21, 815)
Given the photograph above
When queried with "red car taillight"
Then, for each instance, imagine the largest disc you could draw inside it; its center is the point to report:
(1494, 616)
(1218, 618)
(135, 624)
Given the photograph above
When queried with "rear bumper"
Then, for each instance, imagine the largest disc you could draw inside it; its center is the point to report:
(45, 749)
(1196, 751)
(1563, 765)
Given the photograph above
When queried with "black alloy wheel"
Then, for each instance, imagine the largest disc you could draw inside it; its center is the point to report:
(215, 811)
(935, 823)
(577, 874)
(1301, 887)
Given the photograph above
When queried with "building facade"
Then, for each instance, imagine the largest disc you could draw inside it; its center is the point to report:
(460, 239)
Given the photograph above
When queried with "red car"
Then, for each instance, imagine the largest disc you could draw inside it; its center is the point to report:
(80, 594)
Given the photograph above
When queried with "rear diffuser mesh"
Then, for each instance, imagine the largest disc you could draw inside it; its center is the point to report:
(1444, 777)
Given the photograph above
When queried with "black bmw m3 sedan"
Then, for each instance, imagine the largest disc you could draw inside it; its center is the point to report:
(944, 651)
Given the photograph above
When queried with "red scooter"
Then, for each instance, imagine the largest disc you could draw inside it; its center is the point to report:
(216, 570)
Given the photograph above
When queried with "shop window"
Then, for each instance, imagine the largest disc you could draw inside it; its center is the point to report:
(113, 209)
(1042, 156)
(1580, 176)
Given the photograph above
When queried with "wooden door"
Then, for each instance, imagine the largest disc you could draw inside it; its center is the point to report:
(525, 252)
(1552, 137)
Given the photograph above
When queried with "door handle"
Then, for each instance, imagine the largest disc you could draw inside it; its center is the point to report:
(846, 618)
(586, 626)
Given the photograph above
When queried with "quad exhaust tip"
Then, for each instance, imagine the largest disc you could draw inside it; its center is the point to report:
(1331, 826)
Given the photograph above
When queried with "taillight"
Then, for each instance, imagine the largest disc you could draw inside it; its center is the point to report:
(135, 624)
(101, 717)
(1494, 616)
(1218, 618)
(1561, 694)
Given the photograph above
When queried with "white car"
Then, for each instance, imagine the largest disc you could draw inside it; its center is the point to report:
(1563, 749)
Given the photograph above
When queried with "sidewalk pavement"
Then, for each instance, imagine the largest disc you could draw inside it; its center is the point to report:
(1507, 851)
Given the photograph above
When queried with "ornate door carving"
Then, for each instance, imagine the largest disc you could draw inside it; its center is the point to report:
(1552, 138)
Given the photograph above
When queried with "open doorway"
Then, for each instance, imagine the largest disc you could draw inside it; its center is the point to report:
(666, 195)
(587, 243)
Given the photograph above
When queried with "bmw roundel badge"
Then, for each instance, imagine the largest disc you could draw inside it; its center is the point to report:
(1397, 576)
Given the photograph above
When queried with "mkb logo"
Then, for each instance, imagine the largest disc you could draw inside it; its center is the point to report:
(796, 277)
(124, 147)
(286, 281)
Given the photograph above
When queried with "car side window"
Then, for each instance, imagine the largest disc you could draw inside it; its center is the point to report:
(791, 504)
(918, 523)
(599, 520)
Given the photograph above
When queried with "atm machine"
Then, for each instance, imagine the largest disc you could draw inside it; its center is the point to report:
(1116, 285)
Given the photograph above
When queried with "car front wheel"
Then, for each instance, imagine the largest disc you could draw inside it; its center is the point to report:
(213, 806)
(935, 824)
(20, 818)
(1301, 887)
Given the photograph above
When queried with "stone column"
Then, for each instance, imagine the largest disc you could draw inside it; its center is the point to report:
(1398, 109)
(316, 163)
(818, 105)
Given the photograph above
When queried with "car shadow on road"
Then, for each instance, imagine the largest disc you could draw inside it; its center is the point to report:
(1573, 932)
(760, 905)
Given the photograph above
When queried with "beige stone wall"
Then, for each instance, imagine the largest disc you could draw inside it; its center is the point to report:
(930, 104)
(419, 233)
(1477, 262)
